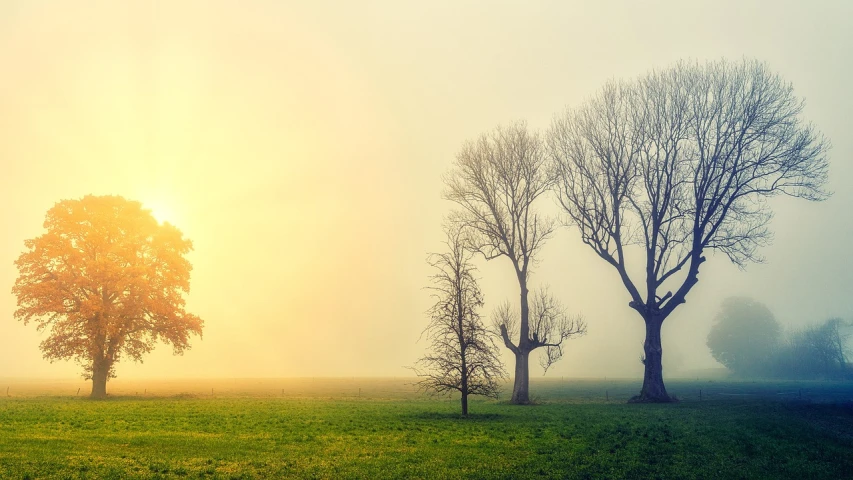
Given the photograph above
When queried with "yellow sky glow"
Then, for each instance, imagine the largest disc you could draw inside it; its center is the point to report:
(300, 146)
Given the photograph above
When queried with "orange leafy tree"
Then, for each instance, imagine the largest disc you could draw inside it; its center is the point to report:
(107, 281)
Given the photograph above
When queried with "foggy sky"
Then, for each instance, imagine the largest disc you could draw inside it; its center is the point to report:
(300, 146)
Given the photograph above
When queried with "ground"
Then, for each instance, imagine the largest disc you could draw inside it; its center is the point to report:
(381, 428)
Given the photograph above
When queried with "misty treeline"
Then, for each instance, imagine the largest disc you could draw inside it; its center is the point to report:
(750, 342)
(652, 174)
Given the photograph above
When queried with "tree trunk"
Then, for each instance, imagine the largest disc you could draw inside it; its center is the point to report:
(654, 391)
(464, 404)
(99, 380)
(521, 387)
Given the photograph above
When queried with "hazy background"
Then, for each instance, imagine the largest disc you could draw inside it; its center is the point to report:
(300, 145)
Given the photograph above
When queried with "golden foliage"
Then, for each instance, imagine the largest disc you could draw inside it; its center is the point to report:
(107, 281)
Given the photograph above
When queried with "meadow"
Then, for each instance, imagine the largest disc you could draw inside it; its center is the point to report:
(382, 428)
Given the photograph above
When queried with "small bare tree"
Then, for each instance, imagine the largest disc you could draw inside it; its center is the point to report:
(814, 351)
(496, 181)
(550, 325)
(463, 356)
(674, 164)
(828, 342)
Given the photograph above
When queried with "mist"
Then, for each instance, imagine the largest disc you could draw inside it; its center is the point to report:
(301, 148)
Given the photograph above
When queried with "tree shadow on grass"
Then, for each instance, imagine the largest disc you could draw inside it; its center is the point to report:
(144, 397)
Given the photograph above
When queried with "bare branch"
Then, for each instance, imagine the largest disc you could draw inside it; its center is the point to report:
(680, 161)
(550, 326)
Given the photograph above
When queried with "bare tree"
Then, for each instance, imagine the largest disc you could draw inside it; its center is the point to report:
(814, 351)
(674, 164)
(463, 356)
(550, 325)
(496, 181)
(828, 344)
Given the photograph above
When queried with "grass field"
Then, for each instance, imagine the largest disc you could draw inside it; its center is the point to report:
(308, 428)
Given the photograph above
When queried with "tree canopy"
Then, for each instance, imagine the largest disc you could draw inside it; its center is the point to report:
(744, 336)
(107, 281)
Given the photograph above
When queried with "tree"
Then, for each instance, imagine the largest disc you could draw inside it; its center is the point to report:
(463, 356)
(818, 350)
(745, 336)
(834, 346)
(496, 181)
(107, 281)
(677, 163)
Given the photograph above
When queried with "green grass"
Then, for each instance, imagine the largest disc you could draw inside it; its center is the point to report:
(571, 434)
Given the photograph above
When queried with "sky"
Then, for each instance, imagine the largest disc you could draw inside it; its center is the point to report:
(300, 146)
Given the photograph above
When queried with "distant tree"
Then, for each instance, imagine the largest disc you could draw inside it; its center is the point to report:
(462, 355)
(107, 281)
(836, 333)
(550, 325)
(496, 182)
(815, 351)
(677, 163)
(745, 336)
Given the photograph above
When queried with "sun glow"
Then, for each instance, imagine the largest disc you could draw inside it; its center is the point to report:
(161, 211)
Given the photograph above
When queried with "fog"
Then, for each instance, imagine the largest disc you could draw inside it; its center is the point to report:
(300, 146)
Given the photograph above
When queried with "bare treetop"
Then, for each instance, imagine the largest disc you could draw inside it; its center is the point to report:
(495, 181)
(682, 160)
